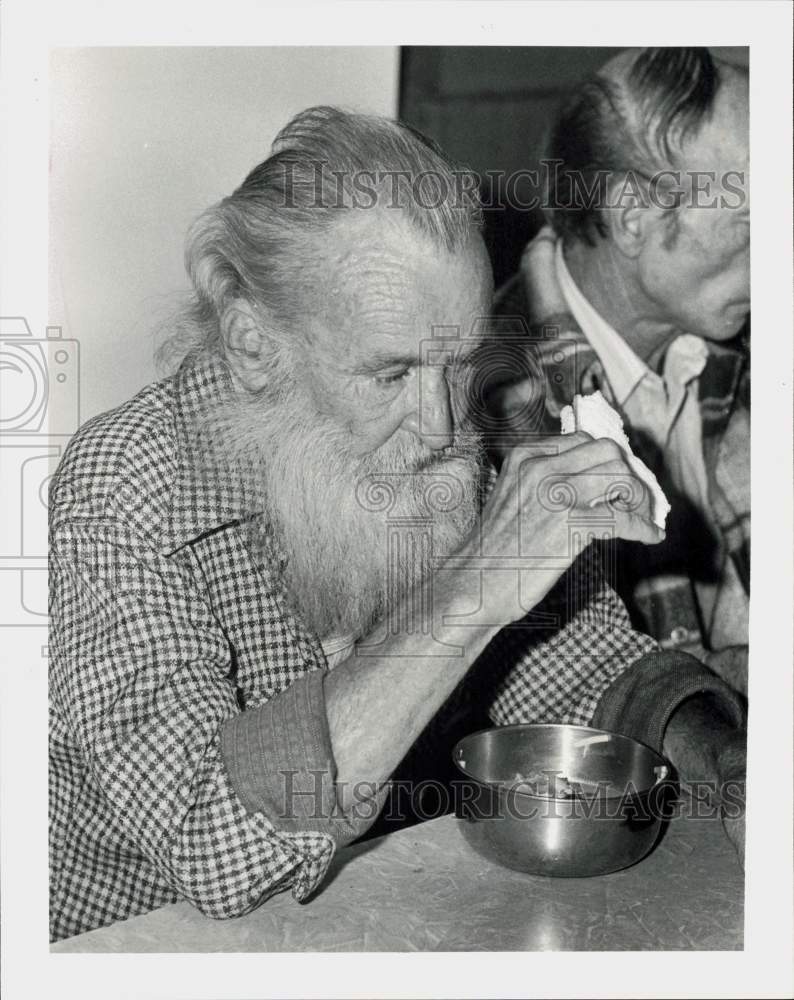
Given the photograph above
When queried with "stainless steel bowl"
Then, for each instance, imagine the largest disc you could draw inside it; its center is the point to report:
(608, 815)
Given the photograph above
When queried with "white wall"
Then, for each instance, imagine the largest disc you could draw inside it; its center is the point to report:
(142, 140)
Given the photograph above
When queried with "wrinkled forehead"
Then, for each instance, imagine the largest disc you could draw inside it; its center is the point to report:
(384, 284)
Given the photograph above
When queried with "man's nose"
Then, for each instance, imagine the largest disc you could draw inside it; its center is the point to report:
(431, 418)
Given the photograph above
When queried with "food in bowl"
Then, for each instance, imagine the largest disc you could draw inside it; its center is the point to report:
(547, 784)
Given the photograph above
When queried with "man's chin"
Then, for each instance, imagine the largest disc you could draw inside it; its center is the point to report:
(731, 322)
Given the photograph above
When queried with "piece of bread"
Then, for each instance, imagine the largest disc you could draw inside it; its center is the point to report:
(593, 415)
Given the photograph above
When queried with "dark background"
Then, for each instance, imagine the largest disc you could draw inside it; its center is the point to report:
(491, 109)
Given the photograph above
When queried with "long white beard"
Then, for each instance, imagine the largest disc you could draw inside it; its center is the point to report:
(357, 533)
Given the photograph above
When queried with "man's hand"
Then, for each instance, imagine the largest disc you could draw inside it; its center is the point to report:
(524, 532)
(549, 501)
(732, 772)
(704, 745)
(733, 823)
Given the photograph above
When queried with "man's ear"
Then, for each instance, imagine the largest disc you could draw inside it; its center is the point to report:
(247, 343)
(631, 218)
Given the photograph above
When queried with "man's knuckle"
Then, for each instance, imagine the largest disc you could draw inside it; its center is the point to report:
(610, 450)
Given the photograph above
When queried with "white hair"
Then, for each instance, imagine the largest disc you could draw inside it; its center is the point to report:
(261, 243)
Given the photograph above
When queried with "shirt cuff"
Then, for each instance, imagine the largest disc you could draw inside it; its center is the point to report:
(640, 702)
(279, 759)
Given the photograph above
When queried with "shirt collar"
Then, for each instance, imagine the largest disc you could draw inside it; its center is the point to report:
(199, 503)
(685, 358)
(622, 366)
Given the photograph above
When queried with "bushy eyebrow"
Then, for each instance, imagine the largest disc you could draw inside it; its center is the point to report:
(379, 362)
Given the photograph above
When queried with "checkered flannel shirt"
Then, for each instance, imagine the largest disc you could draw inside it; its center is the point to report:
(168, 637)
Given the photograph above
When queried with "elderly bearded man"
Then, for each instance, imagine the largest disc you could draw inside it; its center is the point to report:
(218, 554)
(644, 273)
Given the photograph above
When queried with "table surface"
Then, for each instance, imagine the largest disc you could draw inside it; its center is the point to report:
(425, 889)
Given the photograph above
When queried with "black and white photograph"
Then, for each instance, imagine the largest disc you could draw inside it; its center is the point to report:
(376, 442)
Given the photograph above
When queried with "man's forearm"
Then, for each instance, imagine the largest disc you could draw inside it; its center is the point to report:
(377, 705)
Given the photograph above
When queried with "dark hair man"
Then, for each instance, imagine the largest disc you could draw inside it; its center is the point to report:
(643, 273)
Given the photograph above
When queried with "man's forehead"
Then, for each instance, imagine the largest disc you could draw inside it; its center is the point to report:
(389, 285)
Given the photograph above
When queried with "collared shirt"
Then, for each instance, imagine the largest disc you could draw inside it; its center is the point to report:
(666, 596)
(183, 688)
(665, 407)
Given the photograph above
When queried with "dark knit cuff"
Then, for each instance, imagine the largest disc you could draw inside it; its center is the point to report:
(280, 762)
(640, 702)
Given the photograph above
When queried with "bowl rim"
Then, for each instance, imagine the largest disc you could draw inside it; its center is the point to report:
(503, 789)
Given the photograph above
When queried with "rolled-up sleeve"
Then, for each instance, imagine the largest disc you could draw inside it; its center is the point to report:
(641, 700)
(281, 764)
(142, 687)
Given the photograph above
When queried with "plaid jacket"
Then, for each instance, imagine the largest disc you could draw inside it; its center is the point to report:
(166, 634)
(656, 583)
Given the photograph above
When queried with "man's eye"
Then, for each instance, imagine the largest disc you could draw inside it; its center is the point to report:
(390, 378)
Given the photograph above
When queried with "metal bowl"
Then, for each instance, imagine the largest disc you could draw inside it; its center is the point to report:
(600, 807)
